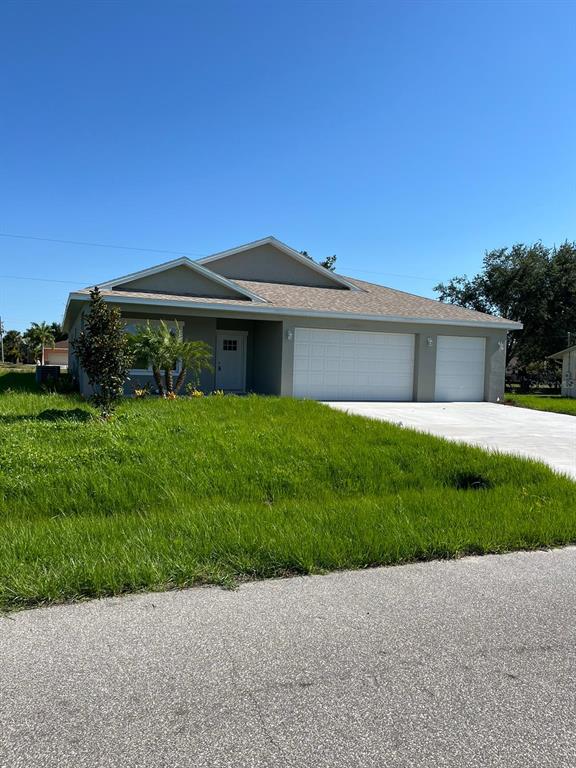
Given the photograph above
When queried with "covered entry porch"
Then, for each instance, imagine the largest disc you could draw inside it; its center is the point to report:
(247, 354)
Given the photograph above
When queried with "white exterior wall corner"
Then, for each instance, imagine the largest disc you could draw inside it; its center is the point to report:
(569, 373)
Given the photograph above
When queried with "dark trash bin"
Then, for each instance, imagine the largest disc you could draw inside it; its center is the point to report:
(47, 373)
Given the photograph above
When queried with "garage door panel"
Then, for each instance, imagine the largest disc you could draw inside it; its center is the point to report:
(301, 363)
(460, 367)
(353, 365)
(468, 357)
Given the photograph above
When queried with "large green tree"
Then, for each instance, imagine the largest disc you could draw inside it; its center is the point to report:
(533, 284)
(59, 334)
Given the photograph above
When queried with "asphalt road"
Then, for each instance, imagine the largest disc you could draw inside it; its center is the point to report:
(464, 663)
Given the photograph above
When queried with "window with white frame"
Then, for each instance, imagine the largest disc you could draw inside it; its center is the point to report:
(140, 367)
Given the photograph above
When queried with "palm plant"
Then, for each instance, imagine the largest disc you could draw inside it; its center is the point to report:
(162, 347)
(195, 357)
(148, 345)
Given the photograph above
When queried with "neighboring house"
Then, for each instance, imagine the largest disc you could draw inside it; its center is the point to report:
(568, 358)
(56, 355)
(281, 324)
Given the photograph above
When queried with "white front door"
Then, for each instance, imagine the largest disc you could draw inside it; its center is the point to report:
(231, 361)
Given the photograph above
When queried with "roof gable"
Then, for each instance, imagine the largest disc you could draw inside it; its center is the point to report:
(180, 277)
(270, 261)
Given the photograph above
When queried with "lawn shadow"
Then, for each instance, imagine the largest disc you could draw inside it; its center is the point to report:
(73, 414)
(19, 381)
(51, 415)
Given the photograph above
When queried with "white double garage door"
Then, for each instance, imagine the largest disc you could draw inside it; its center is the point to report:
(365, 365)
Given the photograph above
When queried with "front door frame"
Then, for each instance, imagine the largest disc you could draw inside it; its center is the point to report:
(242, 337)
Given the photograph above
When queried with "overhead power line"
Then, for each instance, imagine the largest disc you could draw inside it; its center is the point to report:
(194, 254)
(394, 274)
(42, 279)
(100, 245)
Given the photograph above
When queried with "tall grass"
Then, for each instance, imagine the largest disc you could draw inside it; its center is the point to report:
(172, 493)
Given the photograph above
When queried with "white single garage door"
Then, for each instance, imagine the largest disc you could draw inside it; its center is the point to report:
(353, 365)
(460, 368)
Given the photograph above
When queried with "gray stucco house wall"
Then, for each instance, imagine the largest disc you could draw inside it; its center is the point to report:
(220, 298)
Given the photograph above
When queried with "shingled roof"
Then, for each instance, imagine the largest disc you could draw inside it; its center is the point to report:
(370, 301)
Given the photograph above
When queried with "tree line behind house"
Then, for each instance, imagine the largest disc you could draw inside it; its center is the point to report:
(27, 347)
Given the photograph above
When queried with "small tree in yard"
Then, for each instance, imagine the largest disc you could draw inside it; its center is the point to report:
(103, 351)
(162, 348)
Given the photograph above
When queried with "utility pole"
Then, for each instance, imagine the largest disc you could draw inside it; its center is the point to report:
(1, 341)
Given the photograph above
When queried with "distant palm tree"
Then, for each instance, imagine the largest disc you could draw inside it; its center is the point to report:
(13, 346)
(40, 335)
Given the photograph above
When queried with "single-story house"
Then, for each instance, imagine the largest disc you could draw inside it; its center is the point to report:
(568, 358)
(281, 324)
(57, 354)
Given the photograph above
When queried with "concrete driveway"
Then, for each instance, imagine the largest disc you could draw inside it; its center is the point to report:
(548, 437)
(444, 664)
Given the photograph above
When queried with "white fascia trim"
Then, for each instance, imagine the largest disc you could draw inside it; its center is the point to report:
(559, 355)
(285, 249)
(508, 325)
(63, 323)
(65, 315)
(183, 261)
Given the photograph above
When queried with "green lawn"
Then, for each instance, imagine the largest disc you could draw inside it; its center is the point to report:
(173, 493)
(556, 403)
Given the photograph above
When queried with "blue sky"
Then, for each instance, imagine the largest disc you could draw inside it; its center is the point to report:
(406, 137)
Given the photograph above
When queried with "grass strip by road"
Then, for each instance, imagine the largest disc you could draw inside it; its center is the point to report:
(556, 404)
